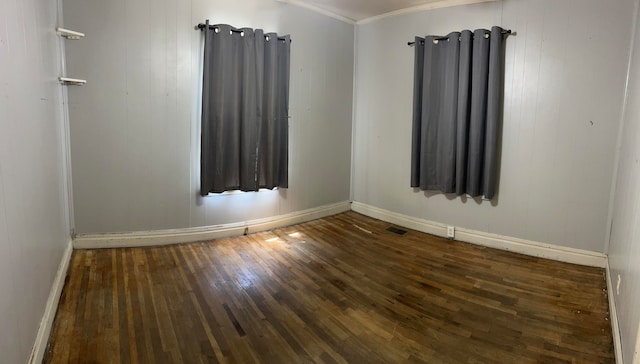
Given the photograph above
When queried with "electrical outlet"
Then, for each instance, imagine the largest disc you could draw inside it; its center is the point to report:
(618, 285)
(451, 232)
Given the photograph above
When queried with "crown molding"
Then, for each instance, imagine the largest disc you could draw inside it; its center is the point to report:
(423, 7)
(412, 9)
(316, 9)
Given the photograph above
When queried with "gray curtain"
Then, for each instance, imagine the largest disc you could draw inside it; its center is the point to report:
(245, 107)
(456, 112)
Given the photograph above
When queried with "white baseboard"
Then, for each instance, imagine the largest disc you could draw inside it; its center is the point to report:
(429, 227)
(613, 316)
(517, 245)
(40, 345)
(187, 235)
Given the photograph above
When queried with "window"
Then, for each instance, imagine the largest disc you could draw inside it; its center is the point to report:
(245, 106)
(456, 112)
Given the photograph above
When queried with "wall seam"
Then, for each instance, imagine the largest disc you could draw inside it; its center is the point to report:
(65, 129)
(623, 111)
(354, 113)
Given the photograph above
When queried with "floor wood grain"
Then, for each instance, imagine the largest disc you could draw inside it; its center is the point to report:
(336, 290)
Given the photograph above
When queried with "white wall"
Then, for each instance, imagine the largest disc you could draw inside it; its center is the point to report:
(34, 227)
(564, 81)
(135, 125)
(624, 247)
(135, 130)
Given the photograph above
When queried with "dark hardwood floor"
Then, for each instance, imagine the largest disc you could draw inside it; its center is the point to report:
(335, 290)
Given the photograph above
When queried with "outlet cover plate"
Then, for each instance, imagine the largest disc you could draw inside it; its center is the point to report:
(451, 232)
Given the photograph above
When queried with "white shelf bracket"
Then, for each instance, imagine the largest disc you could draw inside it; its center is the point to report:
(71, 81)
(69, 34)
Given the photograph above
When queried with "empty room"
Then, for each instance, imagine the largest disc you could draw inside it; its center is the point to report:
(320, 181)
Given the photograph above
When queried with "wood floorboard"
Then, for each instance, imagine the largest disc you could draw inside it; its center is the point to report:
(341, 289)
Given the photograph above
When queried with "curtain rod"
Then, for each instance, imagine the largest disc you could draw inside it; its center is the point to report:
(202, 26)
(507, 32)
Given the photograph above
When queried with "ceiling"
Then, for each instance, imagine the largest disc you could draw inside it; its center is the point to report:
(357, 11)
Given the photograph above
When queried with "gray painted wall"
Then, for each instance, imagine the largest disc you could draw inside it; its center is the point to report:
(135, 125)
(34, 226)
(564, 82)
(624, 247)
(135, 130)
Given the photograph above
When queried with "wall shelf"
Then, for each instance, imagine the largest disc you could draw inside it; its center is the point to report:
(71, 81)
(69, 34)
